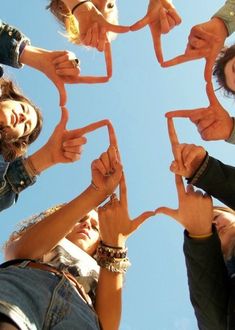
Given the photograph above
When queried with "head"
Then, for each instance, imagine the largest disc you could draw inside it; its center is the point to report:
(108, 9)
(224, 220)
(20, 121)
(85, 234)
(224, 70)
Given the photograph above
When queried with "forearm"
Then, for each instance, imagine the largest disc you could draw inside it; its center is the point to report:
(227, 14)
(217, 179)
(109, 299)
(45, 235)
(12, 43)
(208, 281)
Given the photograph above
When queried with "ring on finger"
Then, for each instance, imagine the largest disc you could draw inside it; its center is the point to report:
(75, 62)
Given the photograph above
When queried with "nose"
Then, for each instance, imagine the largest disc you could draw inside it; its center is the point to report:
(86, 224)
(22, 118)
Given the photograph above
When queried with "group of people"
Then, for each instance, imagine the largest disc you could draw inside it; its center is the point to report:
(67, 278)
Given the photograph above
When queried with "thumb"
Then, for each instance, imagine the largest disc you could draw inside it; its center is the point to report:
(64, 118)
(173, 213)
(114, 28)
(140, 24)
(141, 219)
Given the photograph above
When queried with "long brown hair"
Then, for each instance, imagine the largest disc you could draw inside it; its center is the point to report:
(9, 148)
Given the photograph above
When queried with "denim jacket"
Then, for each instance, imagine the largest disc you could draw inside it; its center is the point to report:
(13, 179)
(12, 43)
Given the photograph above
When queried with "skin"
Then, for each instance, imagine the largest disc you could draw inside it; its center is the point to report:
(205, 41)
(94, 24)
(85, 234)
(213, 122)
(161, 17)
(17, 118)
(225, 225)
(229, 71)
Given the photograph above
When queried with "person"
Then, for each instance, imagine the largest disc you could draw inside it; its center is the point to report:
(77, 234)
(61, 67)
(91, 23)
(202, 170)
(208, 249)
(63, 146)
(161, 17)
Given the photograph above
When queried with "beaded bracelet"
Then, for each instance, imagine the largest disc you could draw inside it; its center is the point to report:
(114, 265)
(111, 251)
(78, 4)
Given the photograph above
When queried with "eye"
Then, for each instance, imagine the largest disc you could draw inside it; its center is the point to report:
(26, 128)
(110, 5)
(23, 107)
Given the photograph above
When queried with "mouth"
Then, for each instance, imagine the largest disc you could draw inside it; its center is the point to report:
(84, 232)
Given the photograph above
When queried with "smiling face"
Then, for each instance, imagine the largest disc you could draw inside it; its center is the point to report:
(17, 119)
(85, 234)
(229, 71)
(225, 225)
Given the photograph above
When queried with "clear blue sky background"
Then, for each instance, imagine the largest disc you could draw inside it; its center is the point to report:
(140, 92)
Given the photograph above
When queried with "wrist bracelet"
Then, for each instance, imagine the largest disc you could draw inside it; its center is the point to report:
(200, 236)
(79, 4)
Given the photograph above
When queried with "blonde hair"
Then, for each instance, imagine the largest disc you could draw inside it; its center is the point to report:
(71, 25)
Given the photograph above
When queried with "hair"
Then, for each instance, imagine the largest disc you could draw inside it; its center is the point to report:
(225, 55)
(231, 247)
(12, 148)
(24, 225)
(71, 25)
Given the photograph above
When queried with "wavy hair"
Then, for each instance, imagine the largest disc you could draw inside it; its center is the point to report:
(225, 55)
(13, 148)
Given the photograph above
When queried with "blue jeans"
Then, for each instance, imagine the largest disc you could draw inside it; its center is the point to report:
(36, 299)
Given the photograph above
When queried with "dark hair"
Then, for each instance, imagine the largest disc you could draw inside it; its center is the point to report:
(225, 55)
(11, 149)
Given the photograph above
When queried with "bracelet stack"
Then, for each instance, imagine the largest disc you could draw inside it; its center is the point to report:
(112, 258)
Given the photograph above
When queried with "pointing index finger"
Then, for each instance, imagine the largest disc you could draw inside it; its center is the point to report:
(172, 132)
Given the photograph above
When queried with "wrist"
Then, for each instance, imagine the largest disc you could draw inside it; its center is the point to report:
(221, 27)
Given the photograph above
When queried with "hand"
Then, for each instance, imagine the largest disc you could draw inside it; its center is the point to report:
(56, 65)
(195, 211)
(187, 157)
(64, 146)
(107, 170)
(161, 18)
(59, 67)
(213, 122)
(94, 28)
(114, 221)
(205, 40)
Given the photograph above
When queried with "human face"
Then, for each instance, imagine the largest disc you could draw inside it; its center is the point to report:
(85, 234)
(225, 225)
(229, 71)
(108, 9)
(17, 118)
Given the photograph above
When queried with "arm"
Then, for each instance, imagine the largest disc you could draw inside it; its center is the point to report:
(36, 241)
(207, 280)
(227, 14)
(115, 227)
(207, 275)
(205, 172)
(12, 43)
(217, 179)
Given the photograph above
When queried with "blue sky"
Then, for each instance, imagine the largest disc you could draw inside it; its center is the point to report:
(155, 295)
